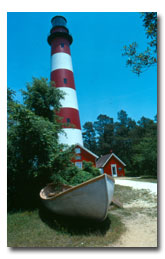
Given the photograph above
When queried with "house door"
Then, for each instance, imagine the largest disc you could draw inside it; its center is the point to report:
(114, 170)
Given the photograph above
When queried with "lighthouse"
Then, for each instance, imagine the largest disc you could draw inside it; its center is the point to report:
(62, 74)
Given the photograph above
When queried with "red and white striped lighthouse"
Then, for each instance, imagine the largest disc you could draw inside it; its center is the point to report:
(62, 74)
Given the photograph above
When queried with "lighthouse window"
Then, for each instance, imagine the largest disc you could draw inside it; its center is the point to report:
(62, 45)
(65, 80)
(68, 120)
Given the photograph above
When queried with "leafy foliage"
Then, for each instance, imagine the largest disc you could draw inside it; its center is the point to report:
(135, 143)
(66, 172)
(150, 24)
(43, 98)
(80, 177)
(104, 130)
(86, 174)
(89, 136)
(88, 167)
(139, 62)
(34, 155)
(35, 158)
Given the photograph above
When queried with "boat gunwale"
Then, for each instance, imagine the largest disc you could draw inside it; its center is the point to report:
(76, 187)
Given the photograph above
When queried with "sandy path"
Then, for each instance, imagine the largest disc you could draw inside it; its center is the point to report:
(141, 227)
(141, 232)
(152, 187)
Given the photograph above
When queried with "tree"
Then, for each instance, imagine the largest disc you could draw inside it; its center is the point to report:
(104, 128)
(34, 155)
(123, 141)
(145, 156)
(123, 118)
(140, 62)
(10, 106)
(135, 143)
(89, 136)
(42, 98)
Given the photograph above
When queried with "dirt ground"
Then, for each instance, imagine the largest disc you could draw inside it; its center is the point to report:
(141, 232)
(141, 223)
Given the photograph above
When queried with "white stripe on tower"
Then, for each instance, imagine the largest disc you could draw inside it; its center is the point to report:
(62, 74)
(61, 61)
(70, 98)
(70, 136)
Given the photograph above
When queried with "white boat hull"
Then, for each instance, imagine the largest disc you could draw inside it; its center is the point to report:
(90, 199)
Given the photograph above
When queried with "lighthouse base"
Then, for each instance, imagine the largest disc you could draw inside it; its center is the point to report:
(71, 136)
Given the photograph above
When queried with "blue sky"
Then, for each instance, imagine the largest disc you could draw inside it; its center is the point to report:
(104, 84)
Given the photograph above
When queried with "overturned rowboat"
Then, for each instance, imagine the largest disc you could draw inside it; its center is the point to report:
(90, 199)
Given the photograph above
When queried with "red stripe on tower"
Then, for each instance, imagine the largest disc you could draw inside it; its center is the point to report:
(60, 45)
(63, 78)
(72, 120)
(62, 74)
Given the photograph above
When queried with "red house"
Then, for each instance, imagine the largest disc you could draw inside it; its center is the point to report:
(83, 154)
(111, 164)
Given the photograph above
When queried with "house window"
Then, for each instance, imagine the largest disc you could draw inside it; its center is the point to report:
(78, 157)
(77, 150)
(68, 120)
(65, 80)
(78, 164)
(62, 45)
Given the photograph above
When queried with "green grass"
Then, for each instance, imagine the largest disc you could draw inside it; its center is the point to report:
(127, 194)
(41, 229)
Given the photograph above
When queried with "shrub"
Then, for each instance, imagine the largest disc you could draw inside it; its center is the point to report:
(88, 172)
(88, 167)
(80, 177)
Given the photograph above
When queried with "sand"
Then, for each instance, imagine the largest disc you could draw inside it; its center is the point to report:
(152, 187)
(141, 226)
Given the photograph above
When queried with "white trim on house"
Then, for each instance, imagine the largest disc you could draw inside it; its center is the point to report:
(87, 150)
(116, 158)
(119, 159)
